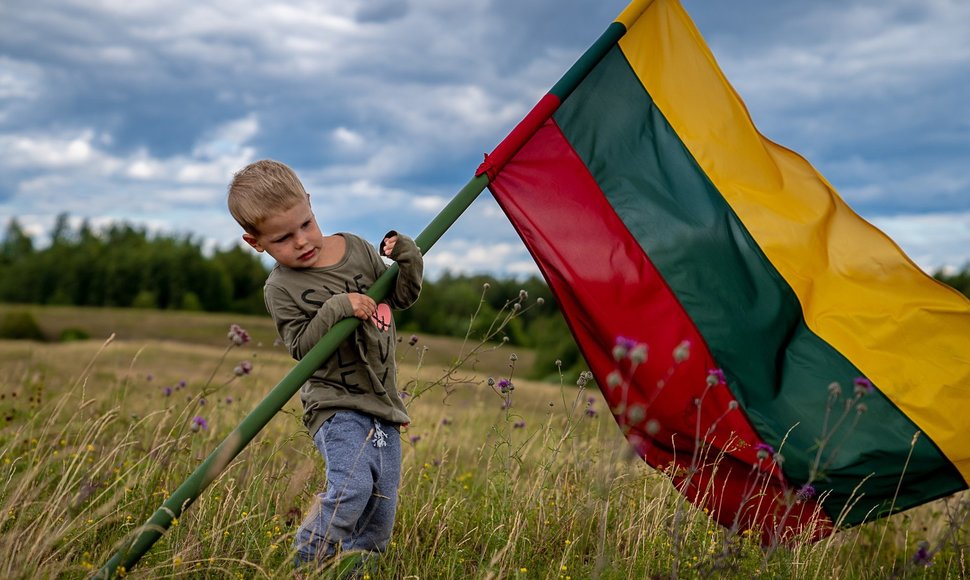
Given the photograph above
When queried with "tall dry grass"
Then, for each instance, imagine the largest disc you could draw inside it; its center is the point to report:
(533, 481)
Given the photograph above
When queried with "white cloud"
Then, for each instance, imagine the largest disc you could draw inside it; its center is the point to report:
(474, 256)
(933, 241)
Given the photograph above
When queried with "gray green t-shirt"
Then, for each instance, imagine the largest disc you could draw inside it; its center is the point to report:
(306, 302)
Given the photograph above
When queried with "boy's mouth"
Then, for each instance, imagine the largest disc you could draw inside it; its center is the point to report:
(307, 255)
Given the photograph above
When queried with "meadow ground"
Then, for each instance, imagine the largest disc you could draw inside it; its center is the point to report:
(94, 436)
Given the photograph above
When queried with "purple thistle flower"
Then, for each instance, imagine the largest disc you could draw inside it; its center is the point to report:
(243, 368)
(590, 412)
(228, 400)
(627, 343)
(446, 421)
(520, 424)
(923, 557)
(167, 391)
(237, 335)
(202, 401)
(716, 377)
(622, 346)
(181, 384)
(763, 450)
(805, 492)
(404, 394)
(199, 423)
(505, 386)
(414, 439)
(863, 386)
(413, 340)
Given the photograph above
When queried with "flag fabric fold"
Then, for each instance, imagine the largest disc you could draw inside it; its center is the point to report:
(793, 371)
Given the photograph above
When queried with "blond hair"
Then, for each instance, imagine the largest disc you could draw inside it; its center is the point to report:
(261, 190)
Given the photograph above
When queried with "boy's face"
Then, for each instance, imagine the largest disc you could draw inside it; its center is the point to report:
(292, 237)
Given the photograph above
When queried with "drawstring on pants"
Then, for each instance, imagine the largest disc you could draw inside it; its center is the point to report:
(380, 437)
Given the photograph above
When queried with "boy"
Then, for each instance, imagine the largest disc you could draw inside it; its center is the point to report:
(351, 405)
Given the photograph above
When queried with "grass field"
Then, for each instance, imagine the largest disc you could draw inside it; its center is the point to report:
(94, 437)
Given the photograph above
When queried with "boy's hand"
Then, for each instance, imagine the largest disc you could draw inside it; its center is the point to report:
(388, 245)
(363, 305)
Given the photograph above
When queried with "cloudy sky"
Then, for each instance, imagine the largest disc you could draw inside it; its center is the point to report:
(141, 111)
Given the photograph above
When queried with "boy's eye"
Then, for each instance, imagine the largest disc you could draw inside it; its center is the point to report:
(306, 224)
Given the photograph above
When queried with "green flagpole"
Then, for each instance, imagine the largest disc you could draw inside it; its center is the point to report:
(148, 533)
(142, 539)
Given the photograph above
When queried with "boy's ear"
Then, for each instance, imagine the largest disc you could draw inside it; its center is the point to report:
(252, 241)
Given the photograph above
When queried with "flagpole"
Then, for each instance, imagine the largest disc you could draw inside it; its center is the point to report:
(145, 536)
(148, 533)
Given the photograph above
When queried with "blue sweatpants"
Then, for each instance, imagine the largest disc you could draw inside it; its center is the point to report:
(356, 512)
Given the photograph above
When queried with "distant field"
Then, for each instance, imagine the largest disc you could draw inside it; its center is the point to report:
(129, 324)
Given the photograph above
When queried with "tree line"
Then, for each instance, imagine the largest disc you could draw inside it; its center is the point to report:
(123, 265)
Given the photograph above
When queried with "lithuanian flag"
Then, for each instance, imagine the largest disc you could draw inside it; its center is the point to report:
(775, 354)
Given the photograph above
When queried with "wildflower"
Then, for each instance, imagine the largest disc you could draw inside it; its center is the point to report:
(404, 394)
(516, 306)
(513, 357)
(199, 423)
(653, 427)
(862, 386)
(505, 386)
(414, 439)
(540, 301)
(763, 450)
(682, 351)
(237, 335)
(523, 295)
(590, 412)
(490, 382)
(520, 424)
(805, 492)
(861, 408)
(613, 379)
(446, 421)
(228, 400)
(202, 401)
(923, 556)
(636, 413)
(486, 286)
(732, 405)
(835, 389)
(413, 340)
(639, 354)
(167, 391)
(715, 377)
(243, 368)
(149, 377)
(584, 377)
(622, 347)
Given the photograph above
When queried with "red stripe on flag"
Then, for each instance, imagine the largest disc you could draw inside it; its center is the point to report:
(504, 151)
(608, 288)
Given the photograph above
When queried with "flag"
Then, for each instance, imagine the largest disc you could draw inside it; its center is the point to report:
(776, 355)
